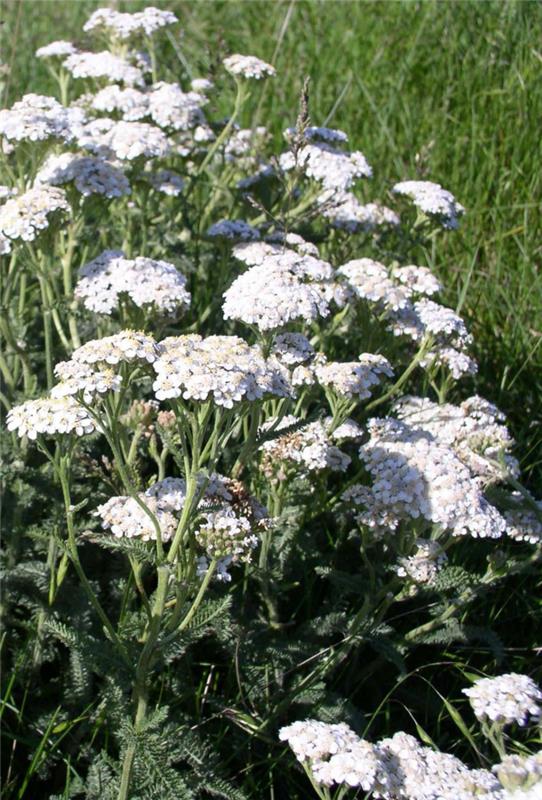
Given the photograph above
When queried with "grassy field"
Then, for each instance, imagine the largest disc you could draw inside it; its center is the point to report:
(446, 91)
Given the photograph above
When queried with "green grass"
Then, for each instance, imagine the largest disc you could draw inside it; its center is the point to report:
(447, 91)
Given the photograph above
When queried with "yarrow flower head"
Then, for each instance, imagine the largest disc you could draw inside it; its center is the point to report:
(354, 378)
(50, 416)
(125, 347)
(166, 182)
(506, 699)
(111, 68)
(524, 521)
(171, 108)
(37, 118)
(423, 566)
(416, 476)
(25, 216)
(282, 286)
(344, 211)
(334, 169)
(123, 140)
(123, 25)
(433, 200)
(147, 283)
(224, 368)
(79, 378)
(59, 49)
(236, 230)
(89, 175)
(248, 67)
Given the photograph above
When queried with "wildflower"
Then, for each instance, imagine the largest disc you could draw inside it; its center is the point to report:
(416, 476)
(369, 280)
(309, 447)
(132, 103)
(335, 169)
(418, 280)
(56, 50)
(345, 212)
(124, 347)
(89, 175)
(124, 140)
(201, 85)
(50, 416)
(76, 377)
(145, 281)
(166, 182)
(433, 200)
(170, 107)
(506, 699)
(237, 230)
(224, 368)
(24, 216)
(354, 378)
(123, 25)
(521, 776)
(36, 118)
(424, 564)
(281, 287)
(474, 430)
(104, 65)
(292, 348)
(523, 523)
(248, 67)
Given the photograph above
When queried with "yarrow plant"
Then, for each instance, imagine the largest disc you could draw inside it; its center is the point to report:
(249, 474)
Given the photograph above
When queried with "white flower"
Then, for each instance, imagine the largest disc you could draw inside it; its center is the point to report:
(224, 368)
(24, 216)
(124, 347)
(37, 117)
(50, 416)
(123, 25)
(236, 229)
(170, 107)
(166, 182)
(248, 67)
(56, 50)
(419, 280)
(124, 140)
(432, 199)
(145, 281)
(523, 522)
(132, 103)
(344, 211)
(424, 564)
(417, 477)
(281, 287)
(370, 280)
(354, 378)
(506, 699)
(334, 169)
(292, 348)
(310, 447)
(201, 85)
(104, 65)
(89, 175)
(76, 377)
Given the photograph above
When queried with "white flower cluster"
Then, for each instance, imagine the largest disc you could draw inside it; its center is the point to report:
(523, 522)
(50, 416)
(89, 175)
(132, 104)
(474, 430)
(170, 107)
(59, 49)
(417, 476)
(166, 182)
(451, 339)
(345, 212)
(146, 282)
(292, 349)
(521, 776)
(125, 347)
(354, 378)
(506, 699)
(234, 229)
(24, 216)
(309, 447)
(424, 564)
(224, 368)
(390, 289)
(397, 768)
(37, 117)
(282, 286)
(80, 378)
(123, 140)
(334, 169)
(104, 65)
(123, 25)
(433, 200)
(248, 67)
